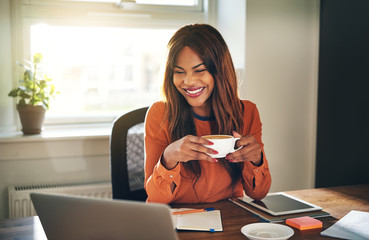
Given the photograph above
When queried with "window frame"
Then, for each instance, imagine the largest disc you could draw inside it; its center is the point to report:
(129, 5)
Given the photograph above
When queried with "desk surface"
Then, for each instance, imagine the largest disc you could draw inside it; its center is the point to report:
(338, 201)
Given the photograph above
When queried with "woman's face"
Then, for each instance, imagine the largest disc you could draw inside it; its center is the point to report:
(193, 81)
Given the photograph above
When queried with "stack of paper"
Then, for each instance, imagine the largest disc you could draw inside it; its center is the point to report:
(353, 226)
(304, 223)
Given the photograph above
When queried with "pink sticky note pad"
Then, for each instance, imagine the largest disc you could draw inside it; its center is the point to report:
(304, 223)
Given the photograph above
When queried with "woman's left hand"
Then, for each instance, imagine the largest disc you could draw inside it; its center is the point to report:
(250, 151)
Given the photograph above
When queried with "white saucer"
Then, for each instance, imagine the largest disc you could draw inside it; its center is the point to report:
(267, 231)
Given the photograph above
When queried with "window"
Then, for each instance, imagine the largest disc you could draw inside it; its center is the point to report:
(105, 57)
(101, 71)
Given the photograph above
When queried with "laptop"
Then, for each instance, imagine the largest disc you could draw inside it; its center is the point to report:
(75, 217)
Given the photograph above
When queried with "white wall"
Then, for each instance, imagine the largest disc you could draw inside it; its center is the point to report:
(281, 78)
(47, 160)
(7, 112)
(232, 25)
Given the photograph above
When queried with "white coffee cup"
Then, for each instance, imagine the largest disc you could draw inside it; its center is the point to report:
(223, 144)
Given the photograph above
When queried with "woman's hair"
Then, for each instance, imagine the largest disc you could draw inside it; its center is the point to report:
(226, 106)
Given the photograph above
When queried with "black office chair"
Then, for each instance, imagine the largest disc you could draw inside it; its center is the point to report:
(127, 156)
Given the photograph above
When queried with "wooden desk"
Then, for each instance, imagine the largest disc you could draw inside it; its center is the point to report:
(338, 201)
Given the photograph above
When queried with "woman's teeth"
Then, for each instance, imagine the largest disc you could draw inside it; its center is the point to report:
(194, 91)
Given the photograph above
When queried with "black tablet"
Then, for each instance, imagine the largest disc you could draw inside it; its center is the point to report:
(281, 203)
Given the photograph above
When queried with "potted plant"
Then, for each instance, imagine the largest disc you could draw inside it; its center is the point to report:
(34, 92)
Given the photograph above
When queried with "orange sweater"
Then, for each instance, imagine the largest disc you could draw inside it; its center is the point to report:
(214, 183)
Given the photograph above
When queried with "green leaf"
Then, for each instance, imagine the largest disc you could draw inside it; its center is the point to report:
(24, 95)
(13, 93)
(52, 90)
(28, 75)
(39, 97)
(37, 58)
(42, 84)
(22, 102)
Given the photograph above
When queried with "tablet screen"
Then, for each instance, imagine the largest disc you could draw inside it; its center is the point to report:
(281, 203)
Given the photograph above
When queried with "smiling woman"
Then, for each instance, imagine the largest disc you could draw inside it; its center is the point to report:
(201, 98)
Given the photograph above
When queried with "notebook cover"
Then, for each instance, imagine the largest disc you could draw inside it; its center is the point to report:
(304, 223)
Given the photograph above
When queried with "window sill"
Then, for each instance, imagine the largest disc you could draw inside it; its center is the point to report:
(69, 132)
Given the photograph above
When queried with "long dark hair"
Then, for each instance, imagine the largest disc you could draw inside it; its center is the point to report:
(227, 110)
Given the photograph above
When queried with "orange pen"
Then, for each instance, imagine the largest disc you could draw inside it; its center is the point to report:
(193, 211)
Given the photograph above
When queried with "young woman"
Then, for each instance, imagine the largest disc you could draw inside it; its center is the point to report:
(201, 98)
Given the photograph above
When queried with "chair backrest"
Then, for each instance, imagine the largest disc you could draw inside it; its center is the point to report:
(121, 172)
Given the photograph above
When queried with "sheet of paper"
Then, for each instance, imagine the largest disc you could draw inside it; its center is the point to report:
(353, 226)
(202, 221)
(175, 217)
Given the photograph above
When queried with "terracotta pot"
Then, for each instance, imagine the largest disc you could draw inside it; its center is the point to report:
(32, 118)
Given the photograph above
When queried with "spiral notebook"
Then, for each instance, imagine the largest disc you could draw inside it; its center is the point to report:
(202, 221)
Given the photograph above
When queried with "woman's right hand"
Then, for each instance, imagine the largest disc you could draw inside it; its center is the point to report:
(186, 149)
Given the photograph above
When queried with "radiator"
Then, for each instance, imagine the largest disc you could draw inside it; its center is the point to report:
(20, 204)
